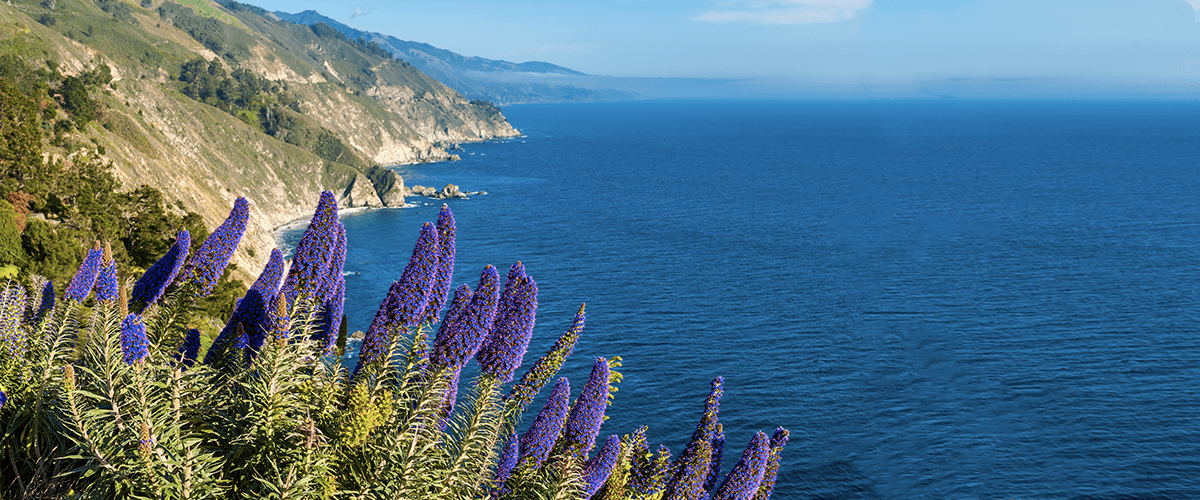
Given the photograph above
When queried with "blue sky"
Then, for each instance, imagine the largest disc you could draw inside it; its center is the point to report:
(1145, 42)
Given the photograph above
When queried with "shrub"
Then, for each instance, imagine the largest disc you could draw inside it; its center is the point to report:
(111, 402)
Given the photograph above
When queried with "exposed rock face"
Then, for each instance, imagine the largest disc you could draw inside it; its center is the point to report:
(419, 190)
(450, 191)
(388, 185)
(361, 193)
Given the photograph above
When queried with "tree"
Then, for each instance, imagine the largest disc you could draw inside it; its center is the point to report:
(52, 253)
(20, 140)
(10, 239)
(77, 101)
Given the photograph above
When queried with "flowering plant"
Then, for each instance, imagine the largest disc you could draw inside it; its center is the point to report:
(122, 398)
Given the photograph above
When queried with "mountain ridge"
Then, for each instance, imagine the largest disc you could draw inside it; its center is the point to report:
(500, 81)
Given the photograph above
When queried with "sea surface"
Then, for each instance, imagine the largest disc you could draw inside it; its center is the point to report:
(939, 299)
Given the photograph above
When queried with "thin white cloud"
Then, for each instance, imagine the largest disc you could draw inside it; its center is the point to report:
(358, 11)
(788, 11)
(1195, 4)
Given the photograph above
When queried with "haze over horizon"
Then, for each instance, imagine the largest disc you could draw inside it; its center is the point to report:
(1130, 46)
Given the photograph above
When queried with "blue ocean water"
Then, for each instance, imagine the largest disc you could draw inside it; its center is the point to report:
(940, 299)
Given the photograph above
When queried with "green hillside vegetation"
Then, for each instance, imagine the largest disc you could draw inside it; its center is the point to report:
(52, 210)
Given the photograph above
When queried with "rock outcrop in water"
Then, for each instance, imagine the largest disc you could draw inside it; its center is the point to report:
(450, 191)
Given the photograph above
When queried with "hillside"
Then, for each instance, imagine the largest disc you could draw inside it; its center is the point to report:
(503, 82)
(209, 102)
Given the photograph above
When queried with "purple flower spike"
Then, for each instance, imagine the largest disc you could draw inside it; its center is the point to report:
(209, 262)
(445, 268)
(691, 471)
(694, 464)
(449, 399)
(14, 340)
(743, 481)
(310, 261)
(511, 282)
(547, 366)
(334, 298)
(583, 424)
(418, 277)
(3, 399)
(151, 286)
(106, 281)
(462, 297)
(379, 336)
(467, 331)
(540, 438)
(242, 341)
(778, 441)
(251, 310)
(718, 450)
(44, 303)
(332, 313)
(85, 278)
(406, 300)
(134, 345)
(597, 470)
(504, 349)
(190, 349)
(278, 321)
(508, 461)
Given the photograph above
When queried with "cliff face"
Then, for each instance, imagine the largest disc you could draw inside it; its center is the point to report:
(376, 109)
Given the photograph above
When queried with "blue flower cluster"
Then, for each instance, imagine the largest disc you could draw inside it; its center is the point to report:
(242, 341)
(778, 441)
(43, 301)
(134, 345)
(416, 282)
(190, 349)
(251, 310)
(502, 352)
(333, 301)
(151, 286)
(540, 438)
(209, 262)
(714, 467)
(309, 274)
(597, 470)
(14, 342)
(547, 365)
(504, 468)
(583, 423)
(3, 399)
(85, 278)
(691, 469)
(443, 278)
(461, 338)
(278, 319)
(743, 481)
(378, 338)
(449, 399)
(462, 297)
(106, 281)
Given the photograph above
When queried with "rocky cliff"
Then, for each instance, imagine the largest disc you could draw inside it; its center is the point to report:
(332, 108)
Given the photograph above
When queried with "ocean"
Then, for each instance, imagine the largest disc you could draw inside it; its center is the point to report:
(938, 298)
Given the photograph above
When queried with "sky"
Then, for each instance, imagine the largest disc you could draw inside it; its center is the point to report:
(1144, 42)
